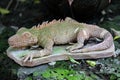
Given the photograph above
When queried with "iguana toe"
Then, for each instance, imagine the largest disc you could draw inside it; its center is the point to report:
(28, 57)
(74, 47)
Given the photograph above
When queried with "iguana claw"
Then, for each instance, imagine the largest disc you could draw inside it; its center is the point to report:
(28, 57)
(74, 47)
(36, 54)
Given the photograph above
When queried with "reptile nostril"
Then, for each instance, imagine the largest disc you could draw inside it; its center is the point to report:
(10, 41)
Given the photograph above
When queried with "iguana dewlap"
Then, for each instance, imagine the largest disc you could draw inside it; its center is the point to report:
(60, 32)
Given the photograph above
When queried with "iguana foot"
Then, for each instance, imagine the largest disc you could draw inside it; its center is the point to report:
(28, 57)
(74, 47)
(36, 54)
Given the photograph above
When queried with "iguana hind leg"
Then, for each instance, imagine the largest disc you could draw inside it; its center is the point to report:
(81, 37)
(101, 33)
(108, 42)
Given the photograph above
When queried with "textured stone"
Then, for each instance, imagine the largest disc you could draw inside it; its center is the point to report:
(59, 53)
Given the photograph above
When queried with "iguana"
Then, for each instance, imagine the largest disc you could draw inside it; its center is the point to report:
(60, 32)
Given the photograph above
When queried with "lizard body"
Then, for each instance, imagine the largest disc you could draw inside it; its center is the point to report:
(60, 32)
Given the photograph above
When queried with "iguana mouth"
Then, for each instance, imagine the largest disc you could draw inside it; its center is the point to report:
(18, 41)
(16, 45)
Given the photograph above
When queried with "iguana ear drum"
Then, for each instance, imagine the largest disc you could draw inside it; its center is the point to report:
(33, 40)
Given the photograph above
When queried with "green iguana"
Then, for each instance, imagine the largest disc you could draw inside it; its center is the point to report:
(60, 32)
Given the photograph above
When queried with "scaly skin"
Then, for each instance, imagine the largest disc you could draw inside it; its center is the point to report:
(60, 32)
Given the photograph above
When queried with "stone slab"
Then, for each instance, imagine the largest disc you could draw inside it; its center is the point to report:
(59, 53)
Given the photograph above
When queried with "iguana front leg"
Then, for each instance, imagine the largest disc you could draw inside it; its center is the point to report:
(81, 37)
(44, 52)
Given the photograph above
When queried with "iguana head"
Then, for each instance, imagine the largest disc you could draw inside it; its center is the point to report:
(22, 39)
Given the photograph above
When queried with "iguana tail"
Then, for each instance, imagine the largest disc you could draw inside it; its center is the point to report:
(107, 43)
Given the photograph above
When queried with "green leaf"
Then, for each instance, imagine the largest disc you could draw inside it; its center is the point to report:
(47, 74)
(117, 74)
(113, 77)
(88, 78)
(118, 79)
(74, 77)
(94, 76)
(91, 63)
(73, 60)
(36, 1)
(36, 73)
(28, 78)
(61, 71)
(116, 37)
(4, 11)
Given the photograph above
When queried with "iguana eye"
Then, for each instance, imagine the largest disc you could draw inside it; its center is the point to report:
(26, 34)
(35, 39)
